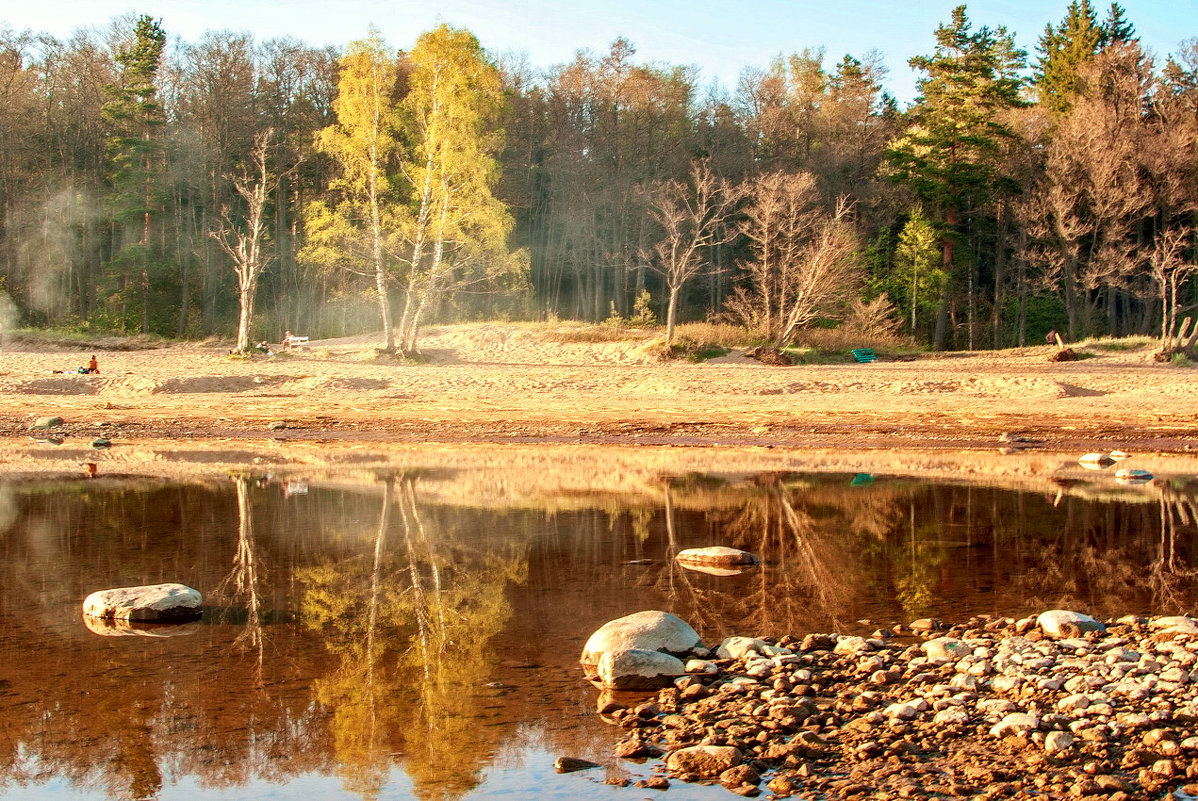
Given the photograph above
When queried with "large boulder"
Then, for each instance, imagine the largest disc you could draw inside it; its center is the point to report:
(704, 761)
(636, 669)
(640, 631)
(153, 603)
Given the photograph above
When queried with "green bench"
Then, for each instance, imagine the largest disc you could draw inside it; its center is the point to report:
(864, 355)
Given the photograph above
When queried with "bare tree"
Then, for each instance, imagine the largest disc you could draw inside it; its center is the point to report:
(1170, 270)
(245, 243)
(693, 219)
(802, 266)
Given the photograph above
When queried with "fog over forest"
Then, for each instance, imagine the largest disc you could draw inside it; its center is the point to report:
(228, 186)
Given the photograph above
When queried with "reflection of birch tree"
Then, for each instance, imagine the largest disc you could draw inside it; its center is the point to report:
(411, 629)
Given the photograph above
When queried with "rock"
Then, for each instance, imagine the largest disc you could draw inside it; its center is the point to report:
(637, 749)
(739, 647)
(1095, 461)
(741, 774)
(637, 669)
(646, 631)
(852, 645)
(277, 425)
(45, 422)
(153, 603)
(717, 556)
(570, 764)
(1127, 476)
(704, 761)
(1015, 723)
(946, 648)
(951, 716)
(1057, 741)
(924, 624)
(101, 442)
(1061, 623)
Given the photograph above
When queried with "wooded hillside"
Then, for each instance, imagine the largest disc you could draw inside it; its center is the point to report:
(1019, 193)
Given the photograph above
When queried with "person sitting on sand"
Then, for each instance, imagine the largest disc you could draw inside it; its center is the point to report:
(93, 366)
(286, 341)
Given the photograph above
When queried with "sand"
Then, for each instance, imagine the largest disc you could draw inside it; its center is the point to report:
(487, 388)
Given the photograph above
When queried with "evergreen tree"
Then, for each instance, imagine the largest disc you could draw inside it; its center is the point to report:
(134, 156)
(951, 153)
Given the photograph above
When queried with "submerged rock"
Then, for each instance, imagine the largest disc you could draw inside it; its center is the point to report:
(153, 603)
(643, 631)
(571, 764)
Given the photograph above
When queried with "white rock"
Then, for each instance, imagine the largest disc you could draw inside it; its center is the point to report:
(643, 631)
(852, 645)
(1015, 723)
(996, 706)
(153, 603)
(946, 648)
(1169, 621)
(951, 716)
(702, 666)
(636, 669)
(1054, 620)
(739, 647)
(717, 556)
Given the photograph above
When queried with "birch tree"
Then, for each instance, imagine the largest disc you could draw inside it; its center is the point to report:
(355, 231)
(457, 231)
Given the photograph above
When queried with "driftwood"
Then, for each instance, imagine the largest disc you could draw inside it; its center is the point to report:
(1063, 353)
(1182, 342)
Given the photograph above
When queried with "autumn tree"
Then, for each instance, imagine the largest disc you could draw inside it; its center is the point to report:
(457, 229)
(693, 218)
(245, 242)
(357, 230)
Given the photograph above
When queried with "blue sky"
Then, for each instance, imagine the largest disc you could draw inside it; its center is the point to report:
(721, 38)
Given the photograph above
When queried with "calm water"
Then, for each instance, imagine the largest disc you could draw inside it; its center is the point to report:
(387, 639)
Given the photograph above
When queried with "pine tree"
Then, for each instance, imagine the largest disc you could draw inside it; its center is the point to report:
(134, 156)
(951, 153)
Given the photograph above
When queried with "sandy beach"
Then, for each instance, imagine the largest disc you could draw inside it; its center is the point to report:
(488, 387)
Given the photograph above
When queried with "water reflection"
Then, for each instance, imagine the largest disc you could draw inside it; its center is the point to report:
(403, 635)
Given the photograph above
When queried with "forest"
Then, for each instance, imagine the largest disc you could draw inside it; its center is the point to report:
(232, 187)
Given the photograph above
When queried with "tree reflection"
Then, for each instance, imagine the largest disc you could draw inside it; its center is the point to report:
(241, 584)
(411, 626)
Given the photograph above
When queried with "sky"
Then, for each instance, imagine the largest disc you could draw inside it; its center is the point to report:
(721, 38)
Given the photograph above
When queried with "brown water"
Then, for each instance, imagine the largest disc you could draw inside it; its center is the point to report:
(392, 638)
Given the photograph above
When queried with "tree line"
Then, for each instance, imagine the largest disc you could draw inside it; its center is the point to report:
(196, 189)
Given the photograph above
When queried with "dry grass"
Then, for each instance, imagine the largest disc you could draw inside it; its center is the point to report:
(723, 335)
(846, 337)
(584, 333)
